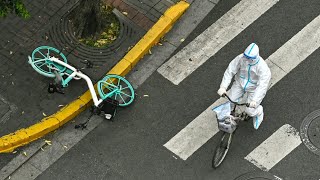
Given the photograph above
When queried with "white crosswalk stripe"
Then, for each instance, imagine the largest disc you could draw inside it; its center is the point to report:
(281, 62)
(213, 39)
(275, 148)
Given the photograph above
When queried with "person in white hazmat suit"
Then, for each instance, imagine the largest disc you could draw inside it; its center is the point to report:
(252, 76)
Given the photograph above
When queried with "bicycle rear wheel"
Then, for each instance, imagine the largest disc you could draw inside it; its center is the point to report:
(221, 149)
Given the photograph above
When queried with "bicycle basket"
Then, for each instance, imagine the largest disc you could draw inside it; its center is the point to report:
(109, 107)
(225, 120)
(228, 125)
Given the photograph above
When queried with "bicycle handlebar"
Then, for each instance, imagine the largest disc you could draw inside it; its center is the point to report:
(239, 104)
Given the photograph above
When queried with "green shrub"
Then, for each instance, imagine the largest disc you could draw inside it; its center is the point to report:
(13, 6)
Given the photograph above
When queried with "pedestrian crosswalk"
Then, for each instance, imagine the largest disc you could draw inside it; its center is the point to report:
(275, 148)
(192, 137)
(213, 39)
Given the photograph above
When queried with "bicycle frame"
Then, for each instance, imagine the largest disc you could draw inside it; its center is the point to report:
(76, 74)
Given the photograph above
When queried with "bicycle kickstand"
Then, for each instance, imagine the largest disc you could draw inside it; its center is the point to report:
(56, 86)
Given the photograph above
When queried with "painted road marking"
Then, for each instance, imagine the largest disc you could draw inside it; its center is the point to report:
(275, 148)
(293, 52)
(188, 22)
(213, 39)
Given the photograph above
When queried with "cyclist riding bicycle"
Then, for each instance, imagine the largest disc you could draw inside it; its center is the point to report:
(252, 76)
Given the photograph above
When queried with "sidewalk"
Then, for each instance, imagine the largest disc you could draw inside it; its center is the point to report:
(24, 100)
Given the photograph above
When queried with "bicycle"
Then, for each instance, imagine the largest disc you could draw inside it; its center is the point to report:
(114, 90)
(228, 125)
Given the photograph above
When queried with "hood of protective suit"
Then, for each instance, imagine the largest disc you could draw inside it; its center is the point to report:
(252, 73)
(252, 51)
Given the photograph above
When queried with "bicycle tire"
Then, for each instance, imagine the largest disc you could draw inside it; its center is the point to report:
(221, 149)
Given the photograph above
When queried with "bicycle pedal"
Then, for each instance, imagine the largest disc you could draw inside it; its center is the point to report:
(51, 88)
(54, 88)
(247, 118)
(59, 90)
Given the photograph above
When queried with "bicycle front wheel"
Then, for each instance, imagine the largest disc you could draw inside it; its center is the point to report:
(222, 149)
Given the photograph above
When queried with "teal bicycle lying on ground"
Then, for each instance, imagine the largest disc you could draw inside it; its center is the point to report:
(114, 90)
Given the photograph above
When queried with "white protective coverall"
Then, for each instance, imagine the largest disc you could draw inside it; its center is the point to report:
(252, 76)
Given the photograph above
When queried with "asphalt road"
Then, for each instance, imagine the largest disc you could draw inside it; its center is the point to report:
(132, 146)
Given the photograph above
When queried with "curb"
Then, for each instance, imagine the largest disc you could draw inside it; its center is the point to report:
(26, 135)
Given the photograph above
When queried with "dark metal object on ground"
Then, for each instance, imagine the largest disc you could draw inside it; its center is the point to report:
(108, 107)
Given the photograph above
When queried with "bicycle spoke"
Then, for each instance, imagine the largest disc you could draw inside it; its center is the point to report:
(125, 88)
(125, 94)
(114, 86)
(41, 65)
(42, 54)
(39, 59)
(111, 86)
(122, 99)
(111, 81)
(38, 62)
(115, 97)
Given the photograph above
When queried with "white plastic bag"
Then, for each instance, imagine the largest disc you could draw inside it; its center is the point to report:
(225, 120)
(223, 111)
